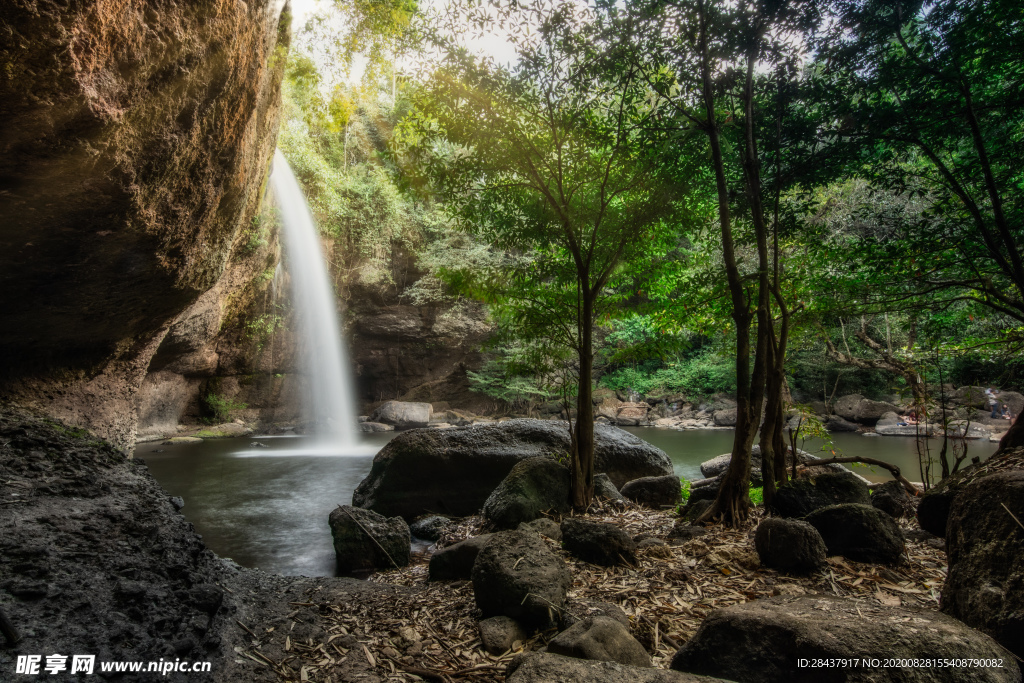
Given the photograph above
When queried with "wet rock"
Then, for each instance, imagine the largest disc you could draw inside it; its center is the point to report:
(545, 527)
(631, 414)
(182, 440)
(891, 424)
(542, 667)
(403, 414)
(985, 584)
(655, 492)
(802, 496)
(602, 639)
(516, 575)
(597, 542)
(371, 427)
(534, 486)
(789, 545)
(499, 634)
(455, 562)
(365, 541)
(453, 471)
(429, 528)
(892, 499)
(764, 640)
(605, 489)
(858, 532)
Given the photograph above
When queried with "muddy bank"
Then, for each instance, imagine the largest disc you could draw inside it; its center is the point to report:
(96, 559)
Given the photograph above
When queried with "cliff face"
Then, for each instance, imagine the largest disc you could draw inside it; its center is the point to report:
(134, 145)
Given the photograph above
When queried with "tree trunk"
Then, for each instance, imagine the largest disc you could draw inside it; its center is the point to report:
(583, 458)
(733, 501)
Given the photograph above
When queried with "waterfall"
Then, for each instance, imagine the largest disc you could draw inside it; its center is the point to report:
(325, 361)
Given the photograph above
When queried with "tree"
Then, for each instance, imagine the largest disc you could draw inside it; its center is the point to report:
(925, 98)
(551, 163)
(722, 46)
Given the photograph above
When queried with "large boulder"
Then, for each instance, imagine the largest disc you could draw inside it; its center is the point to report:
(972, 397)
(533, 487)
(856, 408)
(453, 471)
(403, 414)
(859, 532)
(985, 546)
(655, 492)
(455, 562)
(891, 424)
(597, 542)
(725, 418)
(836, 423)
(789, 545)
(543, 667)
(518, 576)
(602, 639)
(802, 496)
(631, 414)
(935, 504)
(365, 541)
(772, 640)
(892, 499)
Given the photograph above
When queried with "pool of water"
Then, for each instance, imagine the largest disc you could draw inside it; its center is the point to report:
(267, 507)
(688, 449)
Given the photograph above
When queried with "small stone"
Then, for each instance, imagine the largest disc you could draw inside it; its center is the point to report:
(597, 542)
(601, 639)
(789, 545)
(498, 634)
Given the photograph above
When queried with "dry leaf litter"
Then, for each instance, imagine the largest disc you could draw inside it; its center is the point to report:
(407, 629)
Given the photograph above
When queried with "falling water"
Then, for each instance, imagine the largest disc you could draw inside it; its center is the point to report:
(326, 366)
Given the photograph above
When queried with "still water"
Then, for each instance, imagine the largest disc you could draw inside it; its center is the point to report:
(267, 507)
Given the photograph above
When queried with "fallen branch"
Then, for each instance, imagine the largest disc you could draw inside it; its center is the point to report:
(893, 470)
(1012, 515)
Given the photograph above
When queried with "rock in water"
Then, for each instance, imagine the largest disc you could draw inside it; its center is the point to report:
(365, 541)
(455, 562)
(801, 497)
(763, 642)
(453, 471)
(892, 499)
(789, 545)
(534, 486)
(541, 667)
(516, 575)
(985, 585)
(597, 542)
(602, 639)
(655, 492)
(859, 532)
(403, 414)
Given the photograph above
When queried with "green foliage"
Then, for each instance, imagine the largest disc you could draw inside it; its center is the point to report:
(705, 373)
(685, 489)
(261, 328)
(221, 407)
(756, 495)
